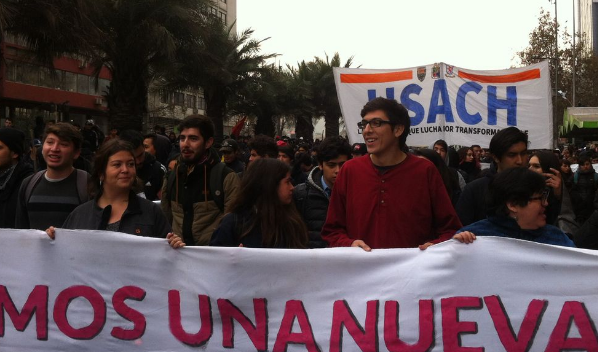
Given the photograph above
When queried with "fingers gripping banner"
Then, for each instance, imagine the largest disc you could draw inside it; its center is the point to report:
(461, 106)
(102, 291)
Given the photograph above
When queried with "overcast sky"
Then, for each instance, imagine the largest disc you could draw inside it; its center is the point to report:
(387, 34)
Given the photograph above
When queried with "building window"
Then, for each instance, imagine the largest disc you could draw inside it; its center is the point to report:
(222, 17)
(30, 74)
(179, 99)
(11, 69)
(202, 103)
(83, 84)
(165, 97)
(45, 78)
(103, 86)
(190, 101)
(70, 82)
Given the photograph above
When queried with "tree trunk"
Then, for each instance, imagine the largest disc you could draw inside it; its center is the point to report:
(265, 125)
(215, 109)
(304, 128)
(127, 97)
(332, 124)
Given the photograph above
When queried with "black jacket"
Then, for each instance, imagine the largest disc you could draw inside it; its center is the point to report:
(142, 218)
(152, 174)
(471, 206)
(312, 202)
(10, 192)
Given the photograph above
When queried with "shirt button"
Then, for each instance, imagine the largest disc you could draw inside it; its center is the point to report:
(382, 191)
(383, 181)
(382, 201)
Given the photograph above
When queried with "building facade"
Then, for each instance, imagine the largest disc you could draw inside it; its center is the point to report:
(588, 23)
(28, 90)
(168, 108)
(71, 92)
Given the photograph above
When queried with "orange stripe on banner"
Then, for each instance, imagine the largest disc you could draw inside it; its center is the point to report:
(376, 77)
(512, 78)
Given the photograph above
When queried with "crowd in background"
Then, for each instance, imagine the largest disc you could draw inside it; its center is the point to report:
(276, 192)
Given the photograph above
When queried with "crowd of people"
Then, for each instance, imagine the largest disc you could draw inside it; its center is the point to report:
(287, 193)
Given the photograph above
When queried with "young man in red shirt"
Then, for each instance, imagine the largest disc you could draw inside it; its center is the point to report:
(388, 198)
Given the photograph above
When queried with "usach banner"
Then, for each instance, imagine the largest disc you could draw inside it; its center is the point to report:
(103, 291)
(461, 106)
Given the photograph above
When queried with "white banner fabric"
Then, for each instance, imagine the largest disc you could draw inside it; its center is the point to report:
(103, 291)
(461, 106)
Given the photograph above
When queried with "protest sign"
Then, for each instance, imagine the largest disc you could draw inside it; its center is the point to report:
(461, 106)
(103, 291)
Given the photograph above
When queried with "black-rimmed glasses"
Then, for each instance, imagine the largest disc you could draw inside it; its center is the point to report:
(543, 197)
(374, 123)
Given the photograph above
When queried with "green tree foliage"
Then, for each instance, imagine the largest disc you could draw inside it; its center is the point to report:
(221, 63)
(324, 95)
(542, 47)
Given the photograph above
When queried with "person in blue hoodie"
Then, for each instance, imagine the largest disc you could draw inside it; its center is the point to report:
(516, 203)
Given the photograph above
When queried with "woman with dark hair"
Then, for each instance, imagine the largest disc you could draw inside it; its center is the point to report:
(468, 164)
(516, 203)
(116, 207)
(450, 179)
(263, 215)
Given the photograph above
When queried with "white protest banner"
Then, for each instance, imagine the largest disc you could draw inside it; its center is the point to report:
(102, 291)
(461, 106)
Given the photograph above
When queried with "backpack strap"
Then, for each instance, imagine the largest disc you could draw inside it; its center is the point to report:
(217, 184)
(33, 181)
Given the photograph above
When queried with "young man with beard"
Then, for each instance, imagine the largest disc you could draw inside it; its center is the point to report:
(199, 191)
(47, 197)
(389, 198)
(12, 172)
(313, 196)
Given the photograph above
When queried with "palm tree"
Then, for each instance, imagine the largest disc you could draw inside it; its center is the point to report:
(299, 100)
(137, 40)
(262, 99)
(221, 63)
(134, 39)
(325, 97)
(49, 28)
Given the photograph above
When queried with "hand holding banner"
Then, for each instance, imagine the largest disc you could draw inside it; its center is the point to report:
(95, 290)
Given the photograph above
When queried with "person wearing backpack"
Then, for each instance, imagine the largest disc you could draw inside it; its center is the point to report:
(583, 191)
(200, 190)
(47, 197)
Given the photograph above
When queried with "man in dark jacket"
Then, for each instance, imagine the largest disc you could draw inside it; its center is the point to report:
(12, 172)
(149, 170)
(312, 197)
(583, 191)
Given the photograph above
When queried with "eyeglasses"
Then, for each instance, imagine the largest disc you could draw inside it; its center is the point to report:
(374, 123)
(543, 197)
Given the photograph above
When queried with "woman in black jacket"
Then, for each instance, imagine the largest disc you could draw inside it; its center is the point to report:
(116, 207)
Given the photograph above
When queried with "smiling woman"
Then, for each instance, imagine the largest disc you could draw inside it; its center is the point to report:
(516, 208)
(116, 207)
